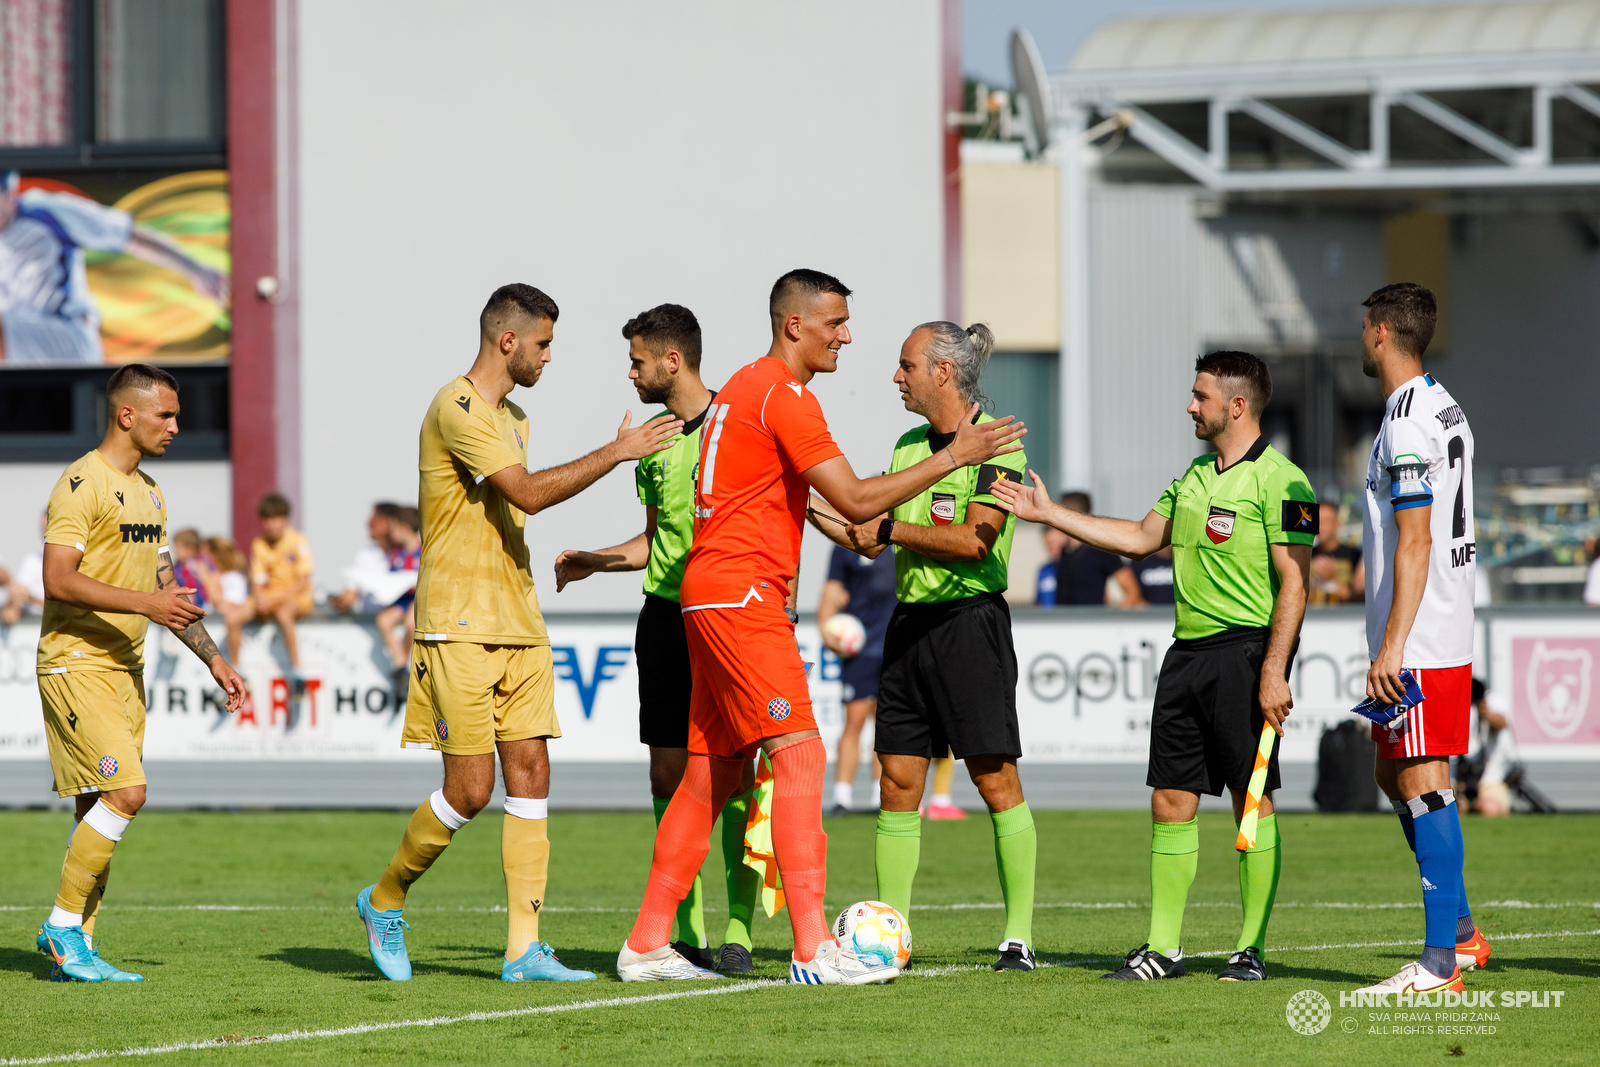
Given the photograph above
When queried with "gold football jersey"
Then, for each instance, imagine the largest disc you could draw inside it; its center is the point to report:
(120, 526)
(474, 582)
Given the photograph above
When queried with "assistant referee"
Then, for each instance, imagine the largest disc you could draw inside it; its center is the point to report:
(1241, 522)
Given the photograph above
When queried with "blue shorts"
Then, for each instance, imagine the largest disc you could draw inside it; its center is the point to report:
(860, 677)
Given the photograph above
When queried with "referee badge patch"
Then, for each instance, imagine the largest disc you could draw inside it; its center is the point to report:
(1219, 527)
(1301, 516)
(943, 511)
(778, 709)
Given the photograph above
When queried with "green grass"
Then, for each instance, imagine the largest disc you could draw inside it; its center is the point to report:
(300, 963)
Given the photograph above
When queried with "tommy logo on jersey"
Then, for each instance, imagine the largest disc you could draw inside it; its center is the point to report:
(943, 509)
(1301, 517)
(1219, 527)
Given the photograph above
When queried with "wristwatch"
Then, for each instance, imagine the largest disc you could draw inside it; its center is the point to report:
(885, 531)
(794, 616)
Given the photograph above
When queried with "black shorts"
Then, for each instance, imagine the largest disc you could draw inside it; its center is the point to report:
(1206, 726)
(859, 677)
(949, 681)
(662, 651)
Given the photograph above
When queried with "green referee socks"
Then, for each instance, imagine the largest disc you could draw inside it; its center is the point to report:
(1016, 852)
(1174, 855)
(691, 919)
(1258, 884)
(744, 884)
(899, 850)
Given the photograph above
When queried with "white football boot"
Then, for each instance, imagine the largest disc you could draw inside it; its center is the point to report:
(837, 965)
(658, 965)
(1415, 978)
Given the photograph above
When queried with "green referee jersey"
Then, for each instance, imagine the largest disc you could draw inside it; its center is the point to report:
(920, 580)
(1222, 522)
(666, 480)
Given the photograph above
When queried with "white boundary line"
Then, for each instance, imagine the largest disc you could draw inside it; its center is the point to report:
(552, 1009)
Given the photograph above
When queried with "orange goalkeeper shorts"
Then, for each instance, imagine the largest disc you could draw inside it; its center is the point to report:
(749, 683)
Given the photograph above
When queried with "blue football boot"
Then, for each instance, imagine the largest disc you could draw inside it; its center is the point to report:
(108, 972)
(71, 953)
(539, 964)
(385, 937)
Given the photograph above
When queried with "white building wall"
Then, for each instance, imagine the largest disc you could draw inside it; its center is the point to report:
(445, 150)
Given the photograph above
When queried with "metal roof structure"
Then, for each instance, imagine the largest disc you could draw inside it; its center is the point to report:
(1416, 96)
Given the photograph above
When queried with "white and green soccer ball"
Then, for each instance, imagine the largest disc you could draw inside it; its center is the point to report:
(874, 931)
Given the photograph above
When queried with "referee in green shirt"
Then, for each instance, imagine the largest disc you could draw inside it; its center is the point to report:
(949, 678)
(1241, 522)
(664, 357)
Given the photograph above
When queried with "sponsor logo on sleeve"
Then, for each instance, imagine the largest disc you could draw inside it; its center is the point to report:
(1219, 526)
(943, 509)
(73, 483)
(989, 473)
(1408, 483)
(466, 404)
(1301, 517)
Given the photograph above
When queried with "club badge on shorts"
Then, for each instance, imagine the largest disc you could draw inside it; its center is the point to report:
(943, 510)
(778, 709)
(440, 728)
(108, 766)
(1219, 527)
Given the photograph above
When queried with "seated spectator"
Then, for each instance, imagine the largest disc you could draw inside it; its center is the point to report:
(397, 621)
(366, 580)
(280, 573)
(186, 564)
(27, 584)
(221, 571)
(1337, 574)
(1044, 594)
(1082, 570)
(1148, 581)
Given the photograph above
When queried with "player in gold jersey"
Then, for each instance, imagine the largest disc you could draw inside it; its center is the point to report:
(107, 576)
(483, 681)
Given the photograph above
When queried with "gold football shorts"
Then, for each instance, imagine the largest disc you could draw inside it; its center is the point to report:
(94, 726)
(465, 697)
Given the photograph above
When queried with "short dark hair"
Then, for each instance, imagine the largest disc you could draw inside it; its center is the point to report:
(667, 326)
(801, 280)
(272, 506)
(138, 376)
(1409, 310)
(509, 300)
(1250, 374)
(386, 509)
(410, 516)
(1077, 500)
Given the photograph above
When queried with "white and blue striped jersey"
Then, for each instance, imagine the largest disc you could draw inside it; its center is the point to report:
(1423, 457)
(41, 253)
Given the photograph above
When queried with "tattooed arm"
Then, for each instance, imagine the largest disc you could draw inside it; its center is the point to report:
(198, 640)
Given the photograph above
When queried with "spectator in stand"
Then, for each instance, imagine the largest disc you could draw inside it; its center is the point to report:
(187, 564)
(11, 610)
(1591, 587)
(864, 588)
(280, 573)
(367, 577)
(221, 572)
(1082, 570)
(1492, 749)
(27, 584)
(1337, 573)
(1147, 581)
(1044, 593)
(396, 622)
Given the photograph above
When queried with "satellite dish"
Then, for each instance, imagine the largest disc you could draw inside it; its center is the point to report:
(1033, 91)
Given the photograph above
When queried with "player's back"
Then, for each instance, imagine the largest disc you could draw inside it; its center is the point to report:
(474, 582)
(1423, 456)
(764, 430)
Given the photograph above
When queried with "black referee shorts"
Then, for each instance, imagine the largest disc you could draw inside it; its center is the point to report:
(949, 681)
(1207, 720)
(662, 651)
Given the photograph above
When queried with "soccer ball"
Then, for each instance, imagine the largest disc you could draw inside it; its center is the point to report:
(847, 631)
(874, 931)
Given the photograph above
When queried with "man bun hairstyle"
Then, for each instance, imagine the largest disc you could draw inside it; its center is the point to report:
(966, 350)
(667, 326)
(1409, 310)
(138, 377)
(273, 505)
(802, 281)
(509, 302)
(1246, 375)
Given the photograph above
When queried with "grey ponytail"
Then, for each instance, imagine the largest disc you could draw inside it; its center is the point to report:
(967, 350)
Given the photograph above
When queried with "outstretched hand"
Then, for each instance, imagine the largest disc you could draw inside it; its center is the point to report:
(574, 565)
(637, 442)
(975, 443)
(1031, 503)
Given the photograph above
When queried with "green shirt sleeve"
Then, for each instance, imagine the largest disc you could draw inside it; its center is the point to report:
(1169, 500)
(1289, 507)
(644, 480)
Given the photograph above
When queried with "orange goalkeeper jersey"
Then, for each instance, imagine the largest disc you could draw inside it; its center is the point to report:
(764, 431)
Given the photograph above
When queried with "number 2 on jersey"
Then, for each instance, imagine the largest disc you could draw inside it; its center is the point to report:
(1457, 451)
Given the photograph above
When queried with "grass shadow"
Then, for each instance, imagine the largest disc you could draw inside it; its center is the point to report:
(1574, 967)
(16, 959)
(358, 967)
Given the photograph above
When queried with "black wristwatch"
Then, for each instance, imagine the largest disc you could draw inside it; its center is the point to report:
(794, 616)
(885, 531)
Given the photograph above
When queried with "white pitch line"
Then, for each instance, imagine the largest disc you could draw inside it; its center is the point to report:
(552, 1009)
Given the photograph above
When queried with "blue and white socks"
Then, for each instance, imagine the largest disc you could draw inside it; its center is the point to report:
(1436, 836)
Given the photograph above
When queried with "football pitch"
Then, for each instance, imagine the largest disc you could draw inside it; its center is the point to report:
(244, 926)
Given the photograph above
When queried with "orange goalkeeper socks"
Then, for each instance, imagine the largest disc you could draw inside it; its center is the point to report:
(798, 839)
(682, 841)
